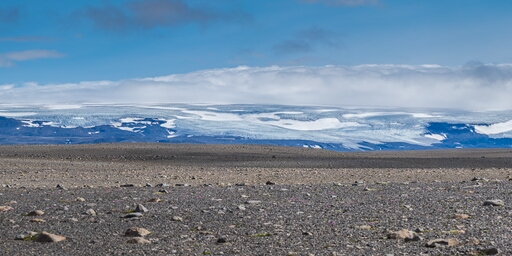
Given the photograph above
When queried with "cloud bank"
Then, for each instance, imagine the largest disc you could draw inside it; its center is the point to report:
(8, 59)
(151, 14)
(470, 87)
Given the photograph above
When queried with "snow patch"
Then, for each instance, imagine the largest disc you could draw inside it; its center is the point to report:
(492, 129)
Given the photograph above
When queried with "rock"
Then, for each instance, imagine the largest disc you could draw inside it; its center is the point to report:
(442, 242)
(35, 213)
(132, 215)
(138, 240)
(148, 185)
(495, 202)
(90, 212)
(459, 216)
(364, 227)
(46, 237)
(414, 238)
(182, 185)
(253, 202)
(473, 241)
(358, 183)
(154, 200)
(59, 186)
(80, 199)
(307, 233)
(176, 218)
(127, 185)
(4, 208)
(164, 191)
(141, 208)
(28, 235)
(490, 251)
(270, 183)
(241, 208)
(37, 220)
(401, 234)
(160, 185)
(137, 232)
(221, 240)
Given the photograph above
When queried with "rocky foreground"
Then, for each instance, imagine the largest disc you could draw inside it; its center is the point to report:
(153, 199)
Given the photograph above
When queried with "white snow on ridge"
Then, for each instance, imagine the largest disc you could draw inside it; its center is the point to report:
(496, 128)
(438, 137)
(317, 125)
(17, 114)
(62, 106)
(377, 114)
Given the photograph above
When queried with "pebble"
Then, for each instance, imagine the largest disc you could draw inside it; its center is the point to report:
(37, 220)
(160, 185)
(35, 213)
(59, 186)
(154, 200)
(137, 232)
(176, 218)
(141, 208)
(46, 237)
(270, 183)
(27, 235)
(401, 234)
(127, 185)
(80, 199)
(132, 215)
(442, 242)
(90, 212)
(461, 216)
(490, 251)
(221, 240)
(253, 202)
(495, 202)
(182, 185)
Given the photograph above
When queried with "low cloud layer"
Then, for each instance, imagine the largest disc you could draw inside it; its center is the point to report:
(471, 87)
(151, 14)
(8, 59)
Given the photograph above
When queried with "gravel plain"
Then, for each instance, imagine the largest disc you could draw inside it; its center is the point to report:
(253, 200)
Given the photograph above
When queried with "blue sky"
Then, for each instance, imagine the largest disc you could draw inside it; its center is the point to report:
(65, 43)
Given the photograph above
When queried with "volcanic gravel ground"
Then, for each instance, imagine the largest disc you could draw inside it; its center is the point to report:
(244, 200)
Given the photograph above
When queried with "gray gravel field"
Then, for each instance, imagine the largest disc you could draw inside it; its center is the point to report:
(253, 200)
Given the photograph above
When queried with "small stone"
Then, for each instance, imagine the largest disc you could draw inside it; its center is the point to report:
(90, 212)
(46, 237)
(364, 227)
(28, 235)
(253, 202)
(164, 191)
(473, 241)
(127, 185)
(241, 207)
(154, 200)
(221, 240)
(4, 208)
(161, 185)
(401, 234)
(495, 202)
(176, 218)
(490, 251)
(442, 242)
(479, 179)
(141, 208)
(307, 233)
(137, 232)
(59, 186)
(414, 238)
(35, 213)
(80, 199)
(148, 185)
(270, 183)
(132, 215)
(37, 220)
(459, 216)
(240, 184)
(138, 240)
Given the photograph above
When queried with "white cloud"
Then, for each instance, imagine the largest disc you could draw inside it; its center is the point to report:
(472, 87)
(8, 59)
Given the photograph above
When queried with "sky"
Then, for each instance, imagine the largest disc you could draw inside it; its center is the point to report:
(400, 53)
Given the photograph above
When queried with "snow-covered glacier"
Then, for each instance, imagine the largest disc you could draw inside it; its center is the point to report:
(333, 128)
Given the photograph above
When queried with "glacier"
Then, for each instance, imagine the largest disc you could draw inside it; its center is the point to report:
(318, 127)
